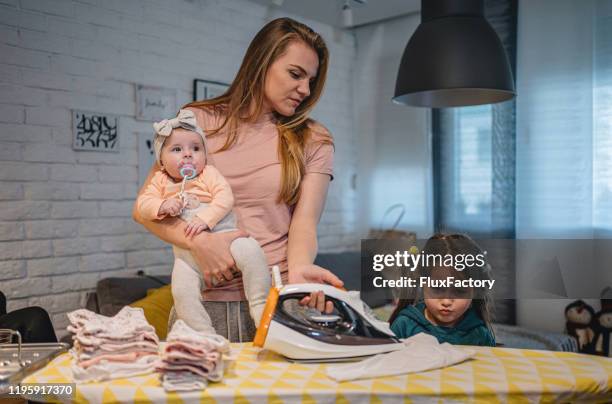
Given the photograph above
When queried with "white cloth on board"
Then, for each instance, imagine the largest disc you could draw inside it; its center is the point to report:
(421, 352)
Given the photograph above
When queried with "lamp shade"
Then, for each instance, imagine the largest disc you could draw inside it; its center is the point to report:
(454, 58)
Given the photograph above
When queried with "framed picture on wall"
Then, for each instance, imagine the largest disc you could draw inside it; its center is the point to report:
(155, 103)
(205, 89)
(95, 131)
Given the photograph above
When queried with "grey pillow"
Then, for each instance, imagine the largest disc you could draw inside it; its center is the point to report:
(114, 293)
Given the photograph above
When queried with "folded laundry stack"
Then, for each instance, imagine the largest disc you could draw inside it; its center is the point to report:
(190, 359)
(112, 347)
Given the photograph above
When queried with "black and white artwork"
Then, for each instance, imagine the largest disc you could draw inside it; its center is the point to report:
(205, 89)
(95, 131)
(155, 103)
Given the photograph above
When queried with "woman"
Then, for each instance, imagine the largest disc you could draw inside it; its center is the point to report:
(277, 161)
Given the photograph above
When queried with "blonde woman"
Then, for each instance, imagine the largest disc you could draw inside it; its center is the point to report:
(278, 162)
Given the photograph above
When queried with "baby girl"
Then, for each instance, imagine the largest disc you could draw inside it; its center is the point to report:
(196, 192)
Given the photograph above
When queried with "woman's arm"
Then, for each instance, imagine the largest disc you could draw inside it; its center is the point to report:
(302, 248)
(210, 250)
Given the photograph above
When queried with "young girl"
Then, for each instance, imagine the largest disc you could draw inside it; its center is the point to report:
(458, 315)
(196, 192)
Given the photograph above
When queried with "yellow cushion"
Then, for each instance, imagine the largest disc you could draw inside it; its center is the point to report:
(156, 306)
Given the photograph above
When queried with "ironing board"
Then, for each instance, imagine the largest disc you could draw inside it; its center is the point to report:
(256, 376)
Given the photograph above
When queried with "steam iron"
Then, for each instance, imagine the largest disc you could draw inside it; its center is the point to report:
(350, 332)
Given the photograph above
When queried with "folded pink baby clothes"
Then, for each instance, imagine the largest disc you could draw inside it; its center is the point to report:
(420, 353)
(190, 359)
(128, 323)
(112, 347)
(114, 370)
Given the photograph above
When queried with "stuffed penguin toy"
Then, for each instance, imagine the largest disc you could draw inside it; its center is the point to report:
(579, 324)
(603, 322)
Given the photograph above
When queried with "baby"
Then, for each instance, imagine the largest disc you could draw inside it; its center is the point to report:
(196, 192)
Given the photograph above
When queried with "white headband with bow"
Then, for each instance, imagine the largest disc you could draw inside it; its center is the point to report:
(185, 119)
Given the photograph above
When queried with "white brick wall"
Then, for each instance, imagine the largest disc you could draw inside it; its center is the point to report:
(65, 215)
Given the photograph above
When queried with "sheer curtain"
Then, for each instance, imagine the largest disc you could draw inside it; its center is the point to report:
(564, 130)
(474, 153)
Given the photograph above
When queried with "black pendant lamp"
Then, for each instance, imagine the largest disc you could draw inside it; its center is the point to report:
(454, 58)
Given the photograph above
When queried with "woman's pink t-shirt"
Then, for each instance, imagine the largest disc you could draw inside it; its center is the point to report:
(253, 169)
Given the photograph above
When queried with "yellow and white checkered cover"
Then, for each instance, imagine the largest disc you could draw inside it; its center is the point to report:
(496, 375)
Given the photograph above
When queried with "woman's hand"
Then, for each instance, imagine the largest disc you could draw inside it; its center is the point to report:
(315, 274)
(211, 251)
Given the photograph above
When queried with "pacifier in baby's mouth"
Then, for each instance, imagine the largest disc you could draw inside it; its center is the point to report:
(188, 171)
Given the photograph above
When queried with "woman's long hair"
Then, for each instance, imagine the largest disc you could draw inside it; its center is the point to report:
(454, 245)
(244, 99)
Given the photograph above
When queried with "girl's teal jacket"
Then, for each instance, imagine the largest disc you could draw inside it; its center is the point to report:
(471, 330)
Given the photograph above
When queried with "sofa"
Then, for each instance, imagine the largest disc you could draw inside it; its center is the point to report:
(111, 294)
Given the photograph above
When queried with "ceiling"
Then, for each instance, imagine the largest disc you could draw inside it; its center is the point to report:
(329, 11)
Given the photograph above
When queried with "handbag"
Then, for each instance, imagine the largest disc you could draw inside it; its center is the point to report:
(390, 240)
(392, 233)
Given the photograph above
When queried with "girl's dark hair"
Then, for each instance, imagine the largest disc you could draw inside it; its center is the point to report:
(454, 245)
